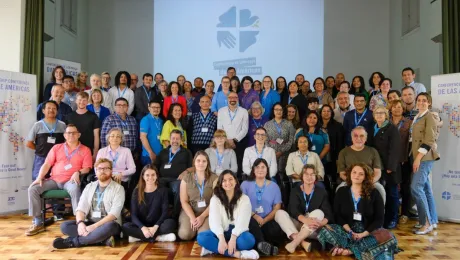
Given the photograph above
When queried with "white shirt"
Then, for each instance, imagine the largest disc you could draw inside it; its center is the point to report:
(128, 95)
(236, 128)
(250, 156)
(295, 164)
(219, 221)
(106, 97)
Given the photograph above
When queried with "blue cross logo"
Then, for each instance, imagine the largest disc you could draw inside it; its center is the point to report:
(446, 195)
(246, 28)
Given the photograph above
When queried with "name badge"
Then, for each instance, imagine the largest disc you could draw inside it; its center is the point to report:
(279, 140)
(201, 204)
(51, 140)
(168, 166)
(260, 209)
(96, 214)
(357, 216)
(125, 132)
(189, 113)
(313, 147)
(158, 137)
(68, 167)
(204, 129)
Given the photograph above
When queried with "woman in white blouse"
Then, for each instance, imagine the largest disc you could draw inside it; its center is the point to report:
(229, 216)
(298, 159)
(260, 150)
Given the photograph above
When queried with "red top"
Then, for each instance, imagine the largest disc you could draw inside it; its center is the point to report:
(168, 101)
(57, 158)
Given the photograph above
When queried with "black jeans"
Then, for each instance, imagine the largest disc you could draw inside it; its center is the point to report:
(270, 232)
(132, 230)
(98, 235)
(173, 186)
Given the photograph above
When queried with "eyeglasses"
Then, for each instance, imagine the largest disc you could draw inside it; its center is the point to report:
(121, 105)
(115, 136)
(71, 133)
(379, 113)
(359, 136)
(155, 107)
(103, 169)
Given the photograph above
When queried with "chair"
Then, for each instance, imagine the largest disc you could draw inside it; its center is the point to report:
(53, 197)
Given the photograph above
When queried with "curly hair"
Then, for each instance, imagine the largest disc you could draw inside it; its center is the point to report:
(219, 192)
(368, 184)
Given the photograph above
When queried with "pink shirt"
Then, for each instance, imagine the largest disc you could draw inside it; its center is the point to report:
(80, 158)
(122, 160)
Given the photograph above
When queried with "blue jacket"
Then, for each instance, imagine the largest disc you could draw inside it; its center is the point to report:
(105, 112)
(268, 102)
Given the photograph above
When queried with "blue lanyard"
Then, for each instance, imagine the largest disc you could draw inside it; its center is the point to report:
(52, 130)
(304, 161)
(204, 118)
(200, 187)
(278, 126)
(148, 94)
(123, 123)
(257, 125)
(259, 155)
(220, 158)
(66, 150)
(260, 191)
(355, 202)
(123, 93)
(415, 122)
(114, 159)
(361, 118)
(376, 129)
(99, 195)
(157, 123)
(310, 136)
(171, 157)
(230, 115)
(290, 99)
(320, 98)
(307, 202)
(174, 101)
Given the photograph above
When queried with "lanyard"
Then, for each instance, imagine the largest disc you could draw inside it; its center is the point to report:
(66, 150)
(259, 155)
(260, 191)
(123, 123)
(230, 115)
(148, 94)
(157, 123)
(171, 157)
(52, 130)
(278, 126)
(304, 161)
(413, 123)
(99, 195)
(220, 158)
(257, 125)
(355, 202)
(204, 118)
(200, 187)
(376, 129)
(290, 99)
(310, 136)
(114, 159)
(122, 93)
(307, 202)
(174, 100)
(320, 98)
(361, 118)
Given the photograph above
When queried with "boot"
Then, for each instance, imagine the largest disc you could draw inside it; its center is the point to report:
(304, 233)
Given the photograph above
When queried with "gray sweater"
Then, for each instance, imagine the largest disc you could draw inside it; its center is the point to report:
(228, 161)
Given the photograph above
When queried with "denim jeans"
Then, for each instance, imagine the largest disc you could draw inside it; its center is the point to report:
(210, 241)
(392, 202)
(423, 194)
(98, 235)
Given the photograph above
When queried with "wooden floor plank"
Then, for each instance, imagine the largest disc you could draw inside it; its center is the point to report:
(443, 243)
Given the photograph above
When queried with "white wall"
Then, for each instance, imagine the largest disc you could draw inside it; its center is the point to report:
(12, 20)
(356, 38)
(121, 36)
(66, 45)
(416, 49)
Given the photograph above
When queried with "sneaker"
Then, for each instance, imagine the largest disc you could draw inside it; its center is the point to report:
(35, 229)
(110, 242)
(61, 243)
(249, 254)
(403, 219)
(133, 239)
(58, 217)
(267, 249)
(166, 238)
(424, 231)
(205, 251)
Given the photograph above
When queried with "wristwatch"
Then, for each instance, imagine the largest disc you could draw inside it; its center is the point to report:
(80, 221)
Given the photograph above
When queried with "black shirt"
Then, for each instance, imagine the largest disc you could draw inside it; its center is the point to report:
(319, 200)
(153, 211)
(142, 97)
(182, 160)
(85, 123)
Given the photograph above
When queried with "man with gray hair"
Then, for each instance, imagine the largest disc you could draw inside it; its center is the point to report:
(343, 101)
(57, 94)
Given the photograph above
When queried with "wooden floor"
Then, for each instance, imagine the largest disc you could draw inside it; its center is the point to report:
(444, 243)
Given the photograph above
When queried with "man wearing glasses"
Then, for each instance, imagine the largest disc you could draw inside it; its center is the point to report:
(69, 95)
(360, 116)
(151, 126)
(202, 125)
(98, 215)
(68, 162)
(125, 122)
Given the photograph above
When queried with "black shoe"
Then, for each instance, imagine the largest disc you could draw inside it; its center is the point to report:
(61, 243)
(391, 225)
(267, 249)
(413, 216)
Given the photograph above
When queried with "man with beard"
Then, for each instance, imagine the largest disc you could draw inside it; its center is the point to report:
(408, 97)
(100, 205)
(343, 101)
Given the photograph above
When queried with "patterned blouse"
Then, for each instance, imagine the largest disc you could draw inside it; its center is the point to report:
(377, 100)
(280, 137)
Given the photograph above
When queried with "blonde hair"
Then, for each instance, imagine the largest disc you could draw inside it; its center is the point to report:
(219, 133)
(95, 90)
(384, 109)
(256, 103)
(103, 160)
(78, 78)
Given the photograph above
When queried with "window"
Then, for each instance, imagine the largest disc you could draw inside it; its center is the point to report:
(69, 15)
(410, 15)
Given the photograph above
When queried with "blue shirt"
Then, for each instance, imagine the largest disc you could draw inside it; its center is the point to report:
(270, 197)
(62, 113)
(318, 140)
(103, 112)
(219, 101)
(268, 101)
(152, 127)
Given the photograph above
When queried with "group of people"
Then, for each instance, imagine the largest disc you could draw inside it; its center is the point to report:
(328, 164)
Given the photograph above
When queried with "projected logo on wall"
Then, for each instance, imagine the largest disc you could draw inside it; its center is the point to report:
(240, 33)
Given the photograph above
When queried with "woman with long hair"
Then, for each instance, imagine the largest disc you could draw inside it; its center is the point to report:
(174, 121)
(149, 210)
(374, 83)
(188, 97)
(57, 77)
(81, 85)
(229, 217)
(281, 87)
(315, 134)
(323, 96)
(235, 84)
(221, 156)
(174, 97)
(293, 97)
(358, 86)
(269, 96)
(359, 214)
(381, 99)
(292, 115)
(96, 99)
(195, 193)
(265, 197)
